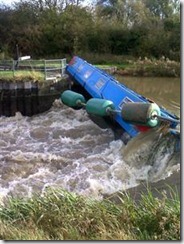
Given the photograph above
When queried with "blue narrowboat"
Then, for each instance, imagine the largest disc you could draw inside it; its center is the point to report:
(110, 103)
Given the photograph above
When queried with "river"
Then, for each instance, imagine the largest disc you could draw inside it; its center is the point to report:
(64, 148)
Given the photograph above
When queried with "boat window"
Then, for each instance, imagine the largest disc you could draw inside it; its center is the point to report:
(88, 73)
(81, 66)
(125, 100)
(99, 83)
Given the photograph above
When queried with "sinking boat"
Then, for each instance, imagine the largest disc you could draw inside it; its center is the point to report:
(112, 104)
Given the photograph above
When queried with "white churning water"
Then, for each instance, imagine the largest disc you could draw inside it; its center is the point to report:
(63, 147)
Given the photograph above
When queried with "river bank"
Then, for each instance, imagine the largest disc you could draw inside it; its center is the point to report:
(168, 187)
(144, 67)
(59, 215)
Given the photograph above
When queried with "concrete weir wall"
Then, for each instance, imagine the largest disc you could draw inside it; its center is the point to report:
(28, 97)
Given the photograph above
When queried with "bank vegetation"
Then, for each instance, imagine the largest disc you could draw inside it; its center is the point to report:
(59, 215)
(63, 28)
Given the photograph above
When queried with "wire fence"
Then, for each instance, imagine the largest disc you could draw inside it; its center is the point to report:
(51, 69)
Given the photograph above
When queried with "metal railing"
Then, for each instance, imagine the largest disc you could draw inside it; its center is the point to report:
(51, 69)
(54, 68)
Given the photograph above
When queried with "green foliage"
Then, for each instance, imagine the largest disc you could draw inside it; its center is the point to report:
(60, 215)
(151, 67)
(155, 216)
(53, 29)
(22, 75)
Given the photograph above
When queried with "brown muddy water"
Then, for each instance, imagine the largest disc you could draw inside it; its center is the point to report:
(64, 148)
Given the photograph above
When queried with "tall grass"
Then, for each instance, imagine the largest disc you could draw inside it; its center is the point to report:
(22, 75)
(60, 215)
(162, 67)
(142, 66)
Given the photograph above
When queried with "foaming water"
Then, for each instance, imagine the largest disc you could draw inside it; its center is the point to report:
(63, 147)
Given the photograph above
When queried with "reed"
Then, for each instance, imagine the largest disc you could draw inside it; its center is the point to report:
(60, 215)
(132, 66)
(162, 67)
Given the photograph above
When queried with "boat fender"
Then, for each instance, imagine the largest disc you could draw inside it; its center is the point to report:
(141, 113)
(100, 107)
(73, 99)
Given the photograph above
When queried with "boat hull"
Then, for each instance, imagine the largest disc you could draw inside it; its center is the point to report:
(96, 83)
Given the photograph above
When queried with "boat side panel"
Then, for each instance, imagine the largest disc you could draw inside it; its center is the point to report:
(101, 85)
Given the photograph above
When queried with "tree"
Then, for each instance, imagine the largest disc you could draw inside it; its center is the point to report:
(53, 28)
(5, 27)
(25, 28)
(114, 10)
(162, 9)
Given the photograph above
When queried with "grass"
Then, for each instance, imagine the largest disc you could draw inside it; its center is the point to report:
(30, 69)
(125, 65)
(162, 67)
(131, 66)
(60, 215)
(21, 75)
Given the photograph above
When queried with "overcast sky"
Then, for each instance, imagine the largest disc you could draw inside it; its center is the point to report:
(9, 2)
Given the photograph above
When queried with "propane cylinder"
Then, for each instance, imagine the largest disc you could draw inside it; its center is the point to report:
(72, 99)
(141, 113)
(100, 107)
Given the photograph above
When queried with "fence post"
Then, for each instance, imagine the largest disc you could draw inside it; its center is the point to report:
(61, 67)
(45, 71)
(13, 68)
(63, 62)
